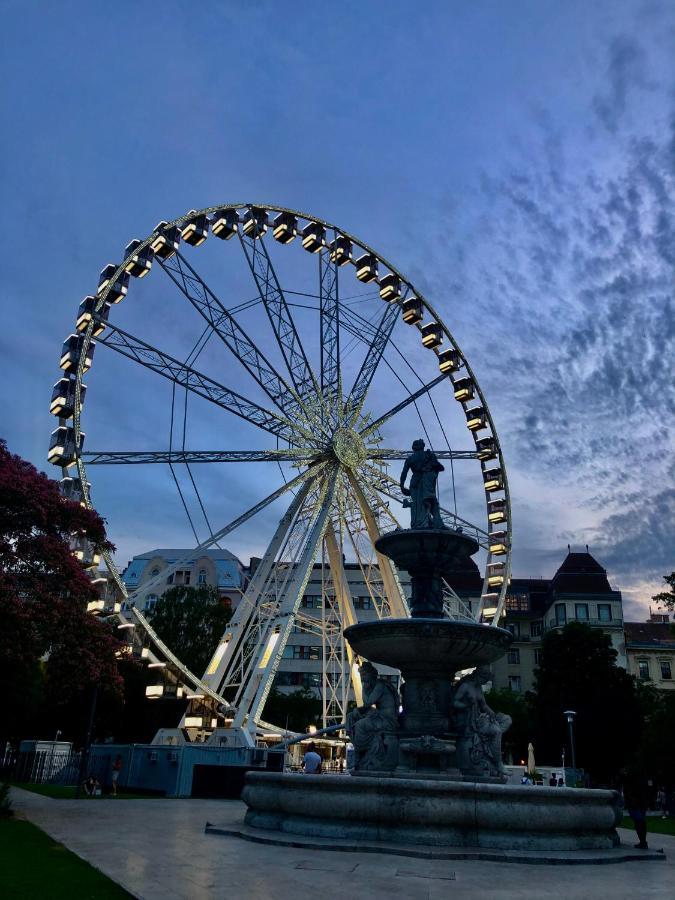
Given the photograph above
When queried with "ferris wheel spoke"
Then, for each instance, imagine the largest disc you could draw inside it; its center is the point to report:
(395, 410)
(384, 453)
(329, 311)
(188, 457)
(279, 314)
(210, 307)
(298, 481)
(174, 370)
(370, 364)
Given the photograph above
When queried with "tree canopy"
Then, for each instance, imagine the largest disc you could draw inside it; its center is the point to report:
(191, 621)
(49, 644)
(667, 598)
(294, 711)
(518, 706)
(578, 671)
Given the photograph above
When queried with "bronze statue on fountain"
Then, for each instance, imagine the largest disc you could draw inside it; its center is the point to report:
(422, 494)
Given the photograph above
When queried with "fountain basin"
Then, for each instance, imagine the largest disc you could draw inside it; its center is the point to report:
(427, 549)
(438, 646)
(433, 813)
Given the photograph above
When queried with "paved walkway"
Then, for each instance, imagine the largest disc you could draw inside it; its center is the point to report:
(157, 850)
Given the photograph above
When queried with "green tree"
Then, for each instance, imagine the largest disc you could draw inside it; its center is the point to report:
(657, 746)
(191, 621)
(294, 711)
(578, 671)
(667, 598)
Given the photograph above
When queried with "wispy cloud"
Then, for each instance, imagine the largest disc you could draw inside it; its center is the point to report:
(570, 271)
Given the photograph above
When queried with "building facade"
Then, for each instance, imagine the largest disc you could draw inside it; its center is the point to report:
(650, 648)
(218, 568)
(578, 592)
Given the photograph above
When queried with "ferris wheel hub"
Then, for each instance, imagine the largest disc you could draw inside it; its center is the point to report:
(348, 448)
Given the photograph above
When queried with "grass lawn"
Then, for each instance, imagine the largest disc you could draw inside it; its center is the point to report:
(33, 865)
(67, 792)
(655, 825)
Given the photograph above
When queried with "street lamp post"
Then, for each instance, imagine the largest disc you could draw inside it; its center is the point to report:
(570, 715)
(51, 756)
(84, 756)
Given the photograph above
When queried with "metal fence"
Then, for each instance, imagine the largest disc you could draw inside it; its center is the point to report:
(41, 766)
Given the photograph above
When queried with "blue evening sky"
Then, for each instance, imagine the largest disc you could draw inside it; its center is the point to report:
(516, 160)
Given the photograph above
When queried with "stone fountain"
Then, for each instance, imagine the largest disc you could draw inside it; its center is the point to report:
(428, 766)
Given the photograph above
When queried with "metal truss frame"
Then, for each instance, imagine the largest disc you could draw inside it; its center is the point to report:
(329, 312)
(279, 315)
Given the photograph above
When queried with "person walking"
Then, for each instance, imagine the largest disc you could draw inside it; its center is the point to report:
(116, 769)
(636, 799)
(661, 803)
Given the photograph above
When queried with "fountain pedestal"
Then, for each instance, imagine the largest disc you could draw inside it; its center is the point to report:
(428, 649)
(428, 653)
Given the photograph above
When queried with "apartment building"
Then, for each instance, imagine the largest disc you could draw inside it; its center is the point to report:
(650, 648)
(218, 568)
(578, 592)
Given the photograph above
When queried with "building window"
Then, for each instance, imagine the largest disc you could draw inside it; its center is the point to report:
(150, 601)
(312, 601)
(666, 671)
(535, 629)
(155, 573)
(514, 628)
(186, 578)
(643, 669)
(581, 612)
(201, 579)
(362, 603)
(514, 683)
(169, 580)
(604, 612)
(517, 602)
(298, 651)
(514, 656)
(560, 614)
(537, 657)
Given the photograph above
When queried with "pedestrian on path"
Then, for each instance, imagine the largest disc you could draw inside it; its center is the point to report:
(116, 769)
(661, 803)
(636, 799)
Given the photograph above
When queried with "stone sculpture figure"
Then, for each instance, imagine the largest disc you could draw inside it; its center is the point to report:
(424, 465)
(373, 727)
(480, 730)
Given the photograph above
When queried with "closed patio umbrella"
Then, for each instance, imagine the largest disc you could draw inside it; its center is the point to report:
(530, 760)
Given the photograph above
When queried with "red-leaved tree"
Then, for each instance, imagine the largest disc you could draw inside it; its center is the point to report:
(44, 590)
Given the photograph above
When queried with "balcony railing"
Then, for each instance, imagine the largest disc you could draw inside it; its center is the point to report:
(601, 623)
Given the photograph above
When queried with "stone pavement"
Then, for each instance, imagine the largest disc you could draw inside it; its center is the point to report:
(157, 850)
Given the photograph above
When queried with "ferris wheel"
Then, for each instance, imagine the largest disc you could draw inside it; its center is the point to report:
(309, 360)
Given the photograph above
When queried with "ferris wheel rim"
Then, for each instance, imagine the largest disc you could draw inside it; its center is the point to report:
(102, 299)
